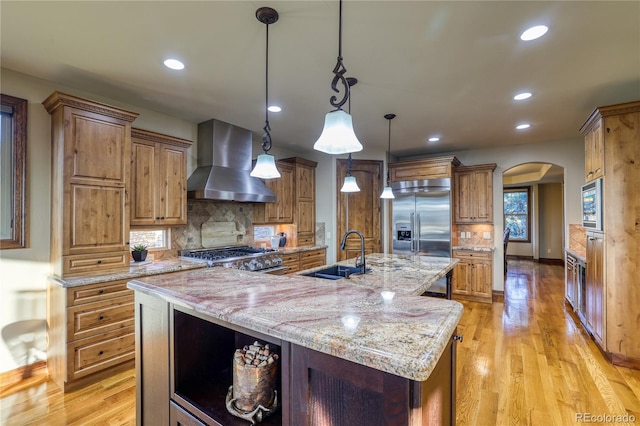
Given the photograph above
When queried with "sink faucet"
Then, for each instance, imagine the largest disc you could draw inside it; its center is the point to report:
(362, 265)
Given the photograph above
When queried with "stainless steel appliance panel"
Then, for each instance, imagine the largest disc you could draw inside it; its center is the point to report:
(404, 206)
(433, 213)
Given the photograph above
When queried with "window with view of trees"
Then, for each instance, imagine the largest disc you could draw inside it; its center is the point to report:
(516, 213)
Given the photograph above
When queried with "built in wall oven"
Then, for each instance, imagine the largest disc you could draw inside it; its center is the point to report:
(592, 205)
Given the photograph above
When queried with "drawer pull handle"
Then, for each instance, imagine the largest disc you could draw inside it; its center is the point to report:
(101, 317)
(458, 337)
(101, 353)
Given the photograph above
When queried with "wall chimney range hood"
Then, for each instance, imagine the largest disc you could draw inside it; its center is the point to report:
(224, 165)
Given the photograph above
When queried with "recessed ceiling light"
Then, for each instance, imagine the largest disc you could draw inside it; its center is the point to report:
(521, 96)
(523, 126)
(274, 108)
(434, 139)
(534, 32)
(174, 64)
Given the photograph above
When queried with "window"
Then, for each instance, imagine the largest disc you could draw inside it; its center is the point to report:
(154, 239)
(13, 157)
(517, 213)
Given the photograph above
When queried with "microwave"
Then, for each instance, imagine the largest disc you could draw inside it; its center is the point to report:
(592, 205)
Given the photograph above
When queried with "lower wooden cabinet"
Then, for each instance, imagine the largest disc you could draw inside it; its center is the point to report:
(305, 259)
(473, 276)
(90, 331)
(595, 287)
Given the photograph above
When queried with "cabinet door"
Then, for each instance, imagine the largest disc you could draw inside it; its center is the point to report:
(143, 183)
(595, 286)
(98, 220)
(286, 199)
(96, 148)
(172, 203)
(571, 282)
(463, 197)
(594, 153)
(482, 196)
(481, 279)
(462, 277)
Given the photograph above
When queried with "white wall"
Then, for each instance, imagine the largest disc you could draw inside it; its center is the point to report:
(23, 272)
(550, 208)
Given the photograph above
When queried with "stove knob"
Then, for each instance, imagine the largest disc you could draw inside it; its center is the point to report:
(277, 262)
(252, 266)
(242, 268)
(267, 262)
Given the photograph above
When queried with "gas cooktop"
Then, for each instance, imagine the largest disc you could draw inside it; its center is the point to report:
(237, 257)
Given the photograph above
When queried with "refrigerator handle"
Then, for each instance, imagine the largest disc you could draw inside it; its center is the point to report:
(412, 219)
(418, 233)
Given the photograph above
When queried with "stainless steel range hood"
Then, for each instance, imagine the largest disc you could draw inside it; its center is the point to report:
(224, 165)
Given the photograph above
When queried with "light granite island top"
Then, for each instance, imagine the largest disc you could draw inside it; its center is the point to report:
(404, 337)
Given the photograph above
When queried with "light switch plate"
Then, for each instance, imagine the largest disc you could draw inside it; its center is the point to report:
(468, 234)
(461, 234)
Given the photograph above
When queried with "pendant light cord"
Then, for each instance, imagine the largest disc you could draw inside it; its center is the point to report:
(339, 70)
(266, 137)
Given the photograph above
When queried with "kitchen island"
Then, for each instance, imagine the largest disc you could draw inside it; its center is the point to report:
(346, 355)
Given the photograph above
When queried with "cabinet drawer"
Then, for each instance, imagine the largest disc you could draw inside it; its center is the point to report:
(95, 263)
(88, 356)
(292, 262)
(312, 259)
(95, 292)
(305, 240)
(467, 254)
(99, 317)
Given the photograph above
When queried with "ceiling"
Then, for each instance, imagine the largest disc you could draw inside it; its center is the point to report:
(445, 68)
(529, 173)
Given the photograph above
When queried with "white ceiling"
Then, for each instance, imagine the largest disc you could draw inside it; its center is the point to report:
(446, 68)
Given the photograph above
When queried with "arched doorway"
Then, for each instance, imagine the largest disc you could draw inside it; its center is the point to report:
(533, 210)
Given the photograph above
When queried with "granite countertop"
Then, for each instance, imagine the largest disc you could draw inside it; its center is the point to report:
(135, 271)
(405, 336)
(474, 248)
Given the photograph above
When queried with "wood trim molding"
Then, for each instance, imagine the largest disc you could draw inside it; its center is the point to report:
(58, 99)
(498, 296)
(148, 135)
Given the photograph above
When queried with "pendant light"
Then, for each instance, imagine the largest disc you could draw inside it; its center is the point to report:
(350, 184)
(387, 192)
(337, 135)
(265, 165)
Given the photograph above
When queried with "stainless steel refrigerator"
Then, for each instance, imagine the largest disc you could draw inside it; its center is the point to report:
(421, 223)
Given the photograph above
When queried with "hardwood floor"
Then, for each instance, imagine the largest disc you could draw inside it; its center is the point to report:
(522, 362)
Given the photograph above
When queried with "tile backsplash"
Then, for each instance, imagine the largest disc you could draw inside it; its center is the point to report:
(198, 212)
(476, 236)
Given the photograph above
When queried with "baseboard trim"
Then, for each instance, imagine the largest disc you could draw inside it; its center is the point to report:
(13, 380)
(551, 261)
(498, 296)
(625, 361)
(518, 257)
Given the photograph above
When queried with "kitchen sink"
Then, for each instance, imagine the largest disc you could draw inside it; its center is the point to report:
(336, 272)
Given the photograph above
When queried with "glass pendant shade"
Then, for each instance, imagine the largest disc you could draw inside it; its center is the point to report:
(350, 185)
(337, 135)
(265, 167)
(387, 193)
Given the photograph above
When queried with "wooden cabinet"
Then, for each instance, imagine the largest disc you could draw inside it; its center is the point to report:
(430, 168)
(91, 145)
(595, 286)
(158, 179)
(473, 194)
(594, 152)
(473, 276)
(90, 330)
(296, 199)
(612, 256)
(305, 259)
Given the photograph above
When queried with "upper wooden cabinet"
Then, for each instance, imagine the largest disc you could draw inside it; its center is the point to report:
(473, 193)
(430, 168)
(91, 146)
(296, 199)
(158, 179)
(594, 152)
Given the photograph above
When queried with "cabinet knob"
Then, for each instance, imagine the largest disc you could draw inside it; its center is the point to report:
(458, 337)
(101, 292)
(99, 261)
(101, 353)
(101, 317)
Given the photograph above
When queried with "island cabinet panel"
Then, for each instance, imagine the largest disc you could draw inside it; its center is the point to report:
(340, 392)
